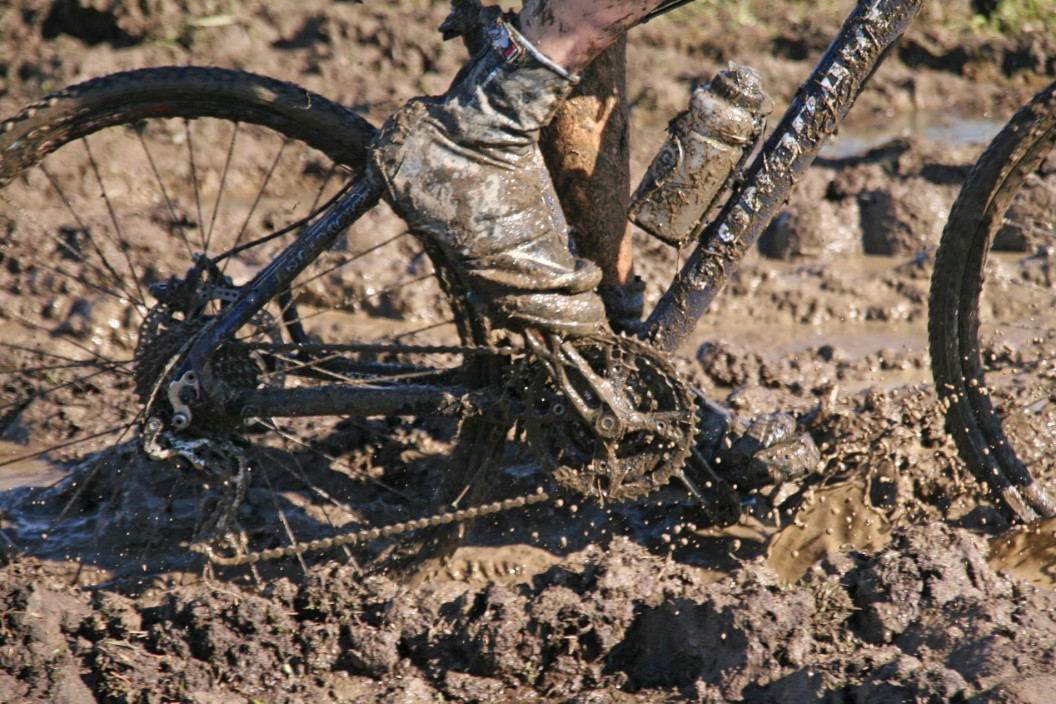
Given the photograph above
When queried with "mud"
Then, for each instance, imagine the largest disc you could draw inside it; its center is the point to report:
(887, 576)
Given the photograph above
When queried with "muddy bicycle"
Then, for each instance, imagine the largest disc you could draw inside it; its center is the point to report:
(239, 321)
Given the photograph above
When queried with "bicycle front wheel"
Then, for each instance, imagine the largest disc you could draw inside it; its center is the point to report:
(112, 188)
(992, 314)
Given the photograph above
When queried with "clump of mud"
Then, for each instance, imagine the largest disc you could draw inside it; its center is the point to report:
(926, 618)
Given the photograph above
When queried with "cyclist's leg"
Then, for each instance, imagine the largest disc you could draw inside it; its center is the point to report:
(573, 32)
(466, 170)
(585, 148)
(767, 450)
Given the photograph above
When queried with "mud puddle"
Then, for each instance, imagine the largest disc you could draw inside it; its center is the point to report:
(858, 136)
(26, 472)
(1029, 552)
(811, 320)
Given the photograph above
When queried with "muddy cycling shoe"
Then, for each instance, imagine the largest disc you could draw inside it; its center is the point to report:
(750, 455)
(465, 171)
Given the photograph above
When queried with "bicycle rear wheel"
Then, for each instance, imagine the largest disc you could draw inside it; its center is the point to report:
(111, 187)
(992, 314)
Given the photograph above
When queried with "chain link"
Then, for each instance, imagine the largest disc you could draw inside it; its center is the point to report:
(437, 519)
(319, 348)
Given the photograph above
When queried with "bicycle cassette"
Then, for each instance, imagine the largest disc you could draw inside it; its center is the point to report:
(609, 416)
(183, 308)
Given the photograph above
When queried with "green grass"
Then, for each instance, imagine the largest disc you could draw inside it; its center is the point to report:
(1015, 16)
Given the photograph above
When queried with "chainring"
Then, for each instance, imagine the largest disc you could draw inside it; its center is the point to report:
(650, 443)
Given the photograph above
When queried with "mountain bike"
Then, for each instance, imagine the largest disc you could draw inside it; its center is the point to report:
(279, 343)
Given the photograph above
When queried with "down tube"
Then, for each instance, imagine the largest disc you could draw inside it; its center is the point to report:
(813, 116)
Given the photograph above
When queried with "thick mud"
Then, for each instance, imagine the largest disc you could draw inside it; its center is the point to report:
(888, 575)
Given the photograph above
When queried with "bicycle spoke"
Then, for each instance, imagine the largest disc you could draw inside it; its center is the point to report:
(70, 361)
(261, 190)
(116, 295)
(51, 390)
(354, 258)
(64, 246)
(36, 454)
(221, 189)
(177, 221)
(330, 173)
(81, 488)
(117, 280)
(193, 175)
(334, 462)
(285, 522)
(410, 334)
(90, 351)
(24, 371)
(120, 240)
(321, 366)
(294, 227)
(327, 507)
(354, 304)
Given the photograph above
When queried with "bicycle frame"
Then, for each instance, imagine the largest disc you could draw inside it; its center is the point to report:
(816, 113)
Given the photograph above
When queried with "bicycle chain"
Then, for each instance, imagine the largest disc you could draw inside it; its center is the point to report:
(382, 347)
(437, 519)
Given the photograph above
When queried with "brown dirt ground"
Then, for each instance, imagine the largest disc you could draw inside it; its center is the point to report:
(888, 576)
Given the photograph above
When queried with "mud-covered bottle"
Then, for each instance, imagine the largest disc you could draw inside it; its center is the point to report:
(706, 145)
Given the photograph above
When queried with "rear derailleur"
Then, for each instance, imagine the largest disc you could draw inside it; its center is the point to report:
(184, 306)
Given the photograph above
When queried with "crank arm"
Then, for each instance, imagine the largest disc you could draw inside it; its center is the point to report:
(659, 423)
(611, 419)
(555, 365)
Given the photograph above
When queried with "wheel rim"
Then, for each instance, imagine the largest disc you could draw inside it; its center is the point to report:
(1011, 375)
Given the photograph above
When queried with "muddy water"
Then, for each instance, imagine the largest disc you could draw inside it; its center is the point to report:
(766, 311)
(27, 472)
(1029, 552)
(857, 136)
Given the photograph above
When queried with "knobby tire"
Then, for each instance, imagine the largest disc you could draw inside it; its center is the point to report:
(992, 321)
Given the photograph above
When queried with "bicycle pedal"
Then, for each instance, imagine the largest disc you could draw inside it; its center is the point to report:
(769, 452)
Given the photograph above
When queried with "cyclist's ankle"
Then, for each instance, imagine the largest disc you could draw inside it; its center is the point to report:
(573, 32)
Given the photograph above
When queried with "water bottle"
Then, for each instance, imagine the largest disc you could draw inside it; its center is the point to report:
(706, 145)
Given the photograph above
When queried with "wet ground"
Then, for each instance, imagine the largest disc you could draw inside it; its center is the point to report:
(888, 575)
